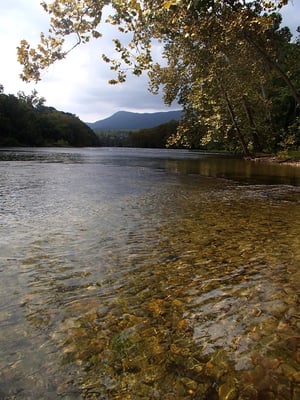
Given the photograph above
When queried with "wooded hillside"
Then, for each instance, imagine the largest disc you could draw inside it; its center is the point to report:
(25, 121)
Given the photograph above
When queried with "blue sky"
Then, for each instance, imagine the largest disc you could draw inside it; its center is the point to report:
(78, 84)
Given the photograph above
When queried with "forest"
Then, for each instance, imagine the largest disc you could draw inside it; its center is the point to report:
(156, 137)
(230, 64)
(25, 121)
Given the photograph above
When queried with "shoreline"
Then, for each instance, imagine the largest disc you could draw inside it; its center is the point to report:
(277, 160)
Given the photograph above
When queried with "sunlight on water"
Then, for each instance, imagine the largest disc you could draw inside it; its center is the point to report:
(144, 275)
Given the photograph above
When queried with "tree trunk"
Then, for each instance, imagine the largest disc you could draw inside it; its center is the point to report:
(234, 121)
(274, 65)
(255, 137)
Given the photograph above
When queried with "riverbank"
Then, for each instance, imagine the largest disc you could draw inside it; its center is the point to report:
(295, 161)
(287, 159)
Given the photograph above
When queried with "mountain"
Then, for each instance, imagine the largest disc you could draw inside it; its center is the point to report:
(129, 120)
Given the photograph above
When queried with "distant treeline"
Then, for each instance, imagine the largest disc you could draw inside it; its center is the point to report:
(149, 137)
(25, 121)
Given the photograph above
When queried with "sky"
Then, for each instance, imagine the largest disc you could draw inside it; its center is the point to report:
(79, 83)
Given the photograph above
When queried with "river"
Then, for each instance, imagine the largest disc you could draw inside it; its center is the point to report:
(140, 274)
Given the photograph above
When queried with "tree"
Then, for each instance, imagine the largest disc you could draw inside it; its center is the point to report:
(219, 54)
(155, 137)
(32, 100)
(218, 81)
(24, 121)
(145, 19)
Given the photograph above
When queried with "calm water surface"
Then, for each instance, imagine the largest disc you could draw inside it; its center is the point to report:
(142, 274)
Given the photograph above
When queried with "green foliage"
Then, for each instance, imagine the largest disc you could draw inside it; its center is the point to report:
(24, 121)
(112, 138)
(227, 62)
(156, 137)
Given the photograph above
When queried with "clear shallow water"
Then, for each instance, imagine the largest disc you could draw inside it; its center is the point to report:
(142, 274)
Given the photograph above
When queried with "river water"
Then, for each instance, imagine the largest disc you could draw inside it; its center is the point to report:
(148, 274)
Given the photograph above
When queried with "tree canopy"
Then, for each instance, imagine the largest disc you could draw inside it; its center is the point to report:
(25, 121)
(227, 62)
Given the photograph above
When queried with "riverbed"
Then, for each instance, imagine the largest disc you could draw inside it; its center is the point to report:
(148, 274)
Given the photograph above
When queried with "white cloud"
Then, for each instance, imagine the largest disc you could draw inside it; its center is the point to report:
(78, 84)
(291, 15)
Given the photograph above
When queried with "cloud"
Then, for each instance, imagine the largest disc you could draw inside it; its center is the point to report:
(78, 84)
(86, 91)
(290, 15)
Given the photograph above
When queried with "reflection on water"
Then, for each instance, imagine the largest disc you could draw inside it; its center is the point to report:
(142, 275)
(239, 170)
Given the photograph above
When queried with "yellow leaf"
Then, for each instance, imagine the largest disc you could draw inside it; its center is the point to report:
(168, 4)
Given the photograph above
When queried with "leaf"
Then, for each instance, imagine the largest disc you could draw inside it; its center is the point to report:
(168, 4)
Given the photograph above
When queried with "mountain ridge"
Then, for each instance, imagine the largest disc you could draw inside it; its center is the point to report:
(130, 120)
